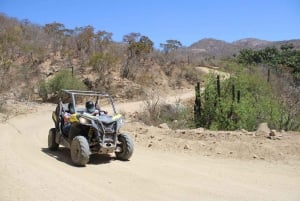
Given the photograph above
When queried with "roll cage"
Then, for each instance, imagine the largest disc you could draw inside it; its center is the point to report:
(98, 95)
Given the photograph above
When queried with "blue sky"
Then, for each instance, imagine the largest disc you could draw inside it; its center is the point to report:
(187, 21)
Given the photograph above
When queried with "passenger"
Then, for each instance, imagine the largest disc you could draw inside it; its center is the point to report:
(67, 115)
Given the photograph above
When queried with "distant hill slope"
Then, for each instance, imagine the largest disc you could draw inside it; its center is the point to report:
(251, 43)
(213, 47)
(219, 48)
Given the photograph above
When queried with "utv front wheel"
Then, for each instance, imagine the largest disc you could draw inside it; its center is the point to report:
(80, 151)
(52, 145)
(126, 146)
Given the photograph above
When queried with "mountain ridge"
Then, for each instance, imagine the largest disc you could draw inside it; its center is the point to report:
(221, 48)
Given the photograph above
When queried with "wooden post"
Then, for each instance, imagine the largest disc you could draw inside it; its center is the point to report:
(72, 71)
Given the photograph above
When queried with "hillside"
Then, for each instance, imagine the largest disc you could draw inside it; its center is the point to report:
(213, 47)
(252, 43)
(219, 48)
(37, 61)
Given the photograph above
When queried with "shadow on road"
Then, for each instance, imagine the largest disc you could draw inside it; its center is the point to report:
(63, 155)
(96, 159)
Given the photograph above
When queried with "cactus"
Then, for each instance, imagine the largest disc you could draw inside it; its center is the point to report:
(197, 106)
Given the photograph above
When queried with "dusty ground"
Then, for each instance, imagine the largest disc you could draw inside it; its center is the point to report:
(167, 164)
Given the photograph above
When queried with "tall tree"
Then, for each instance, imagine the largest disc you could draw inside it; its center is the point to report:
(138, 45)
(170, 46)
(85, 36)
(102, 40)
(55, 32)
(132, 39)
(145, 45)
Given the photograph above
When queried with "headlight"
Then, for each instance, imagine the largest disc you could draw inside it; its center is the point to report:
(85, 121)
(120, 122)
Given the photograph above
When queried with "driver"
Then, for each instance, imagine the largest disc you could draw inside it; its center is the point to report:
(90, 108)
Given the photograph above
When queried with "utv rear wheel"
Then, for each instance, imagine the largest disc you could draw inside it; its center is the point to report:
(80, 151)
(52, 145)
(126, 145)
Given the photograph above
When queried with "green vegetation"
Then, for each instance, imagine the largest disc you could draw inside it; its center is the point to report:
(170, 46)
(102, 62)
(138, 45)
(242, 102)
(61, 80)
(271, 56)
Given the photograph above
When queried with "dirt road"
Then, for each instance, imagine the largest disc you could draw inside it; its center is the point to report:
(29, 172)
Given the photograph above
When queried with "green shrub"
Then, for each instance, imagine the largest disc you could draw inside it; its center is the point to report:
(61, 80)
(257, 103)
(43, 91)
